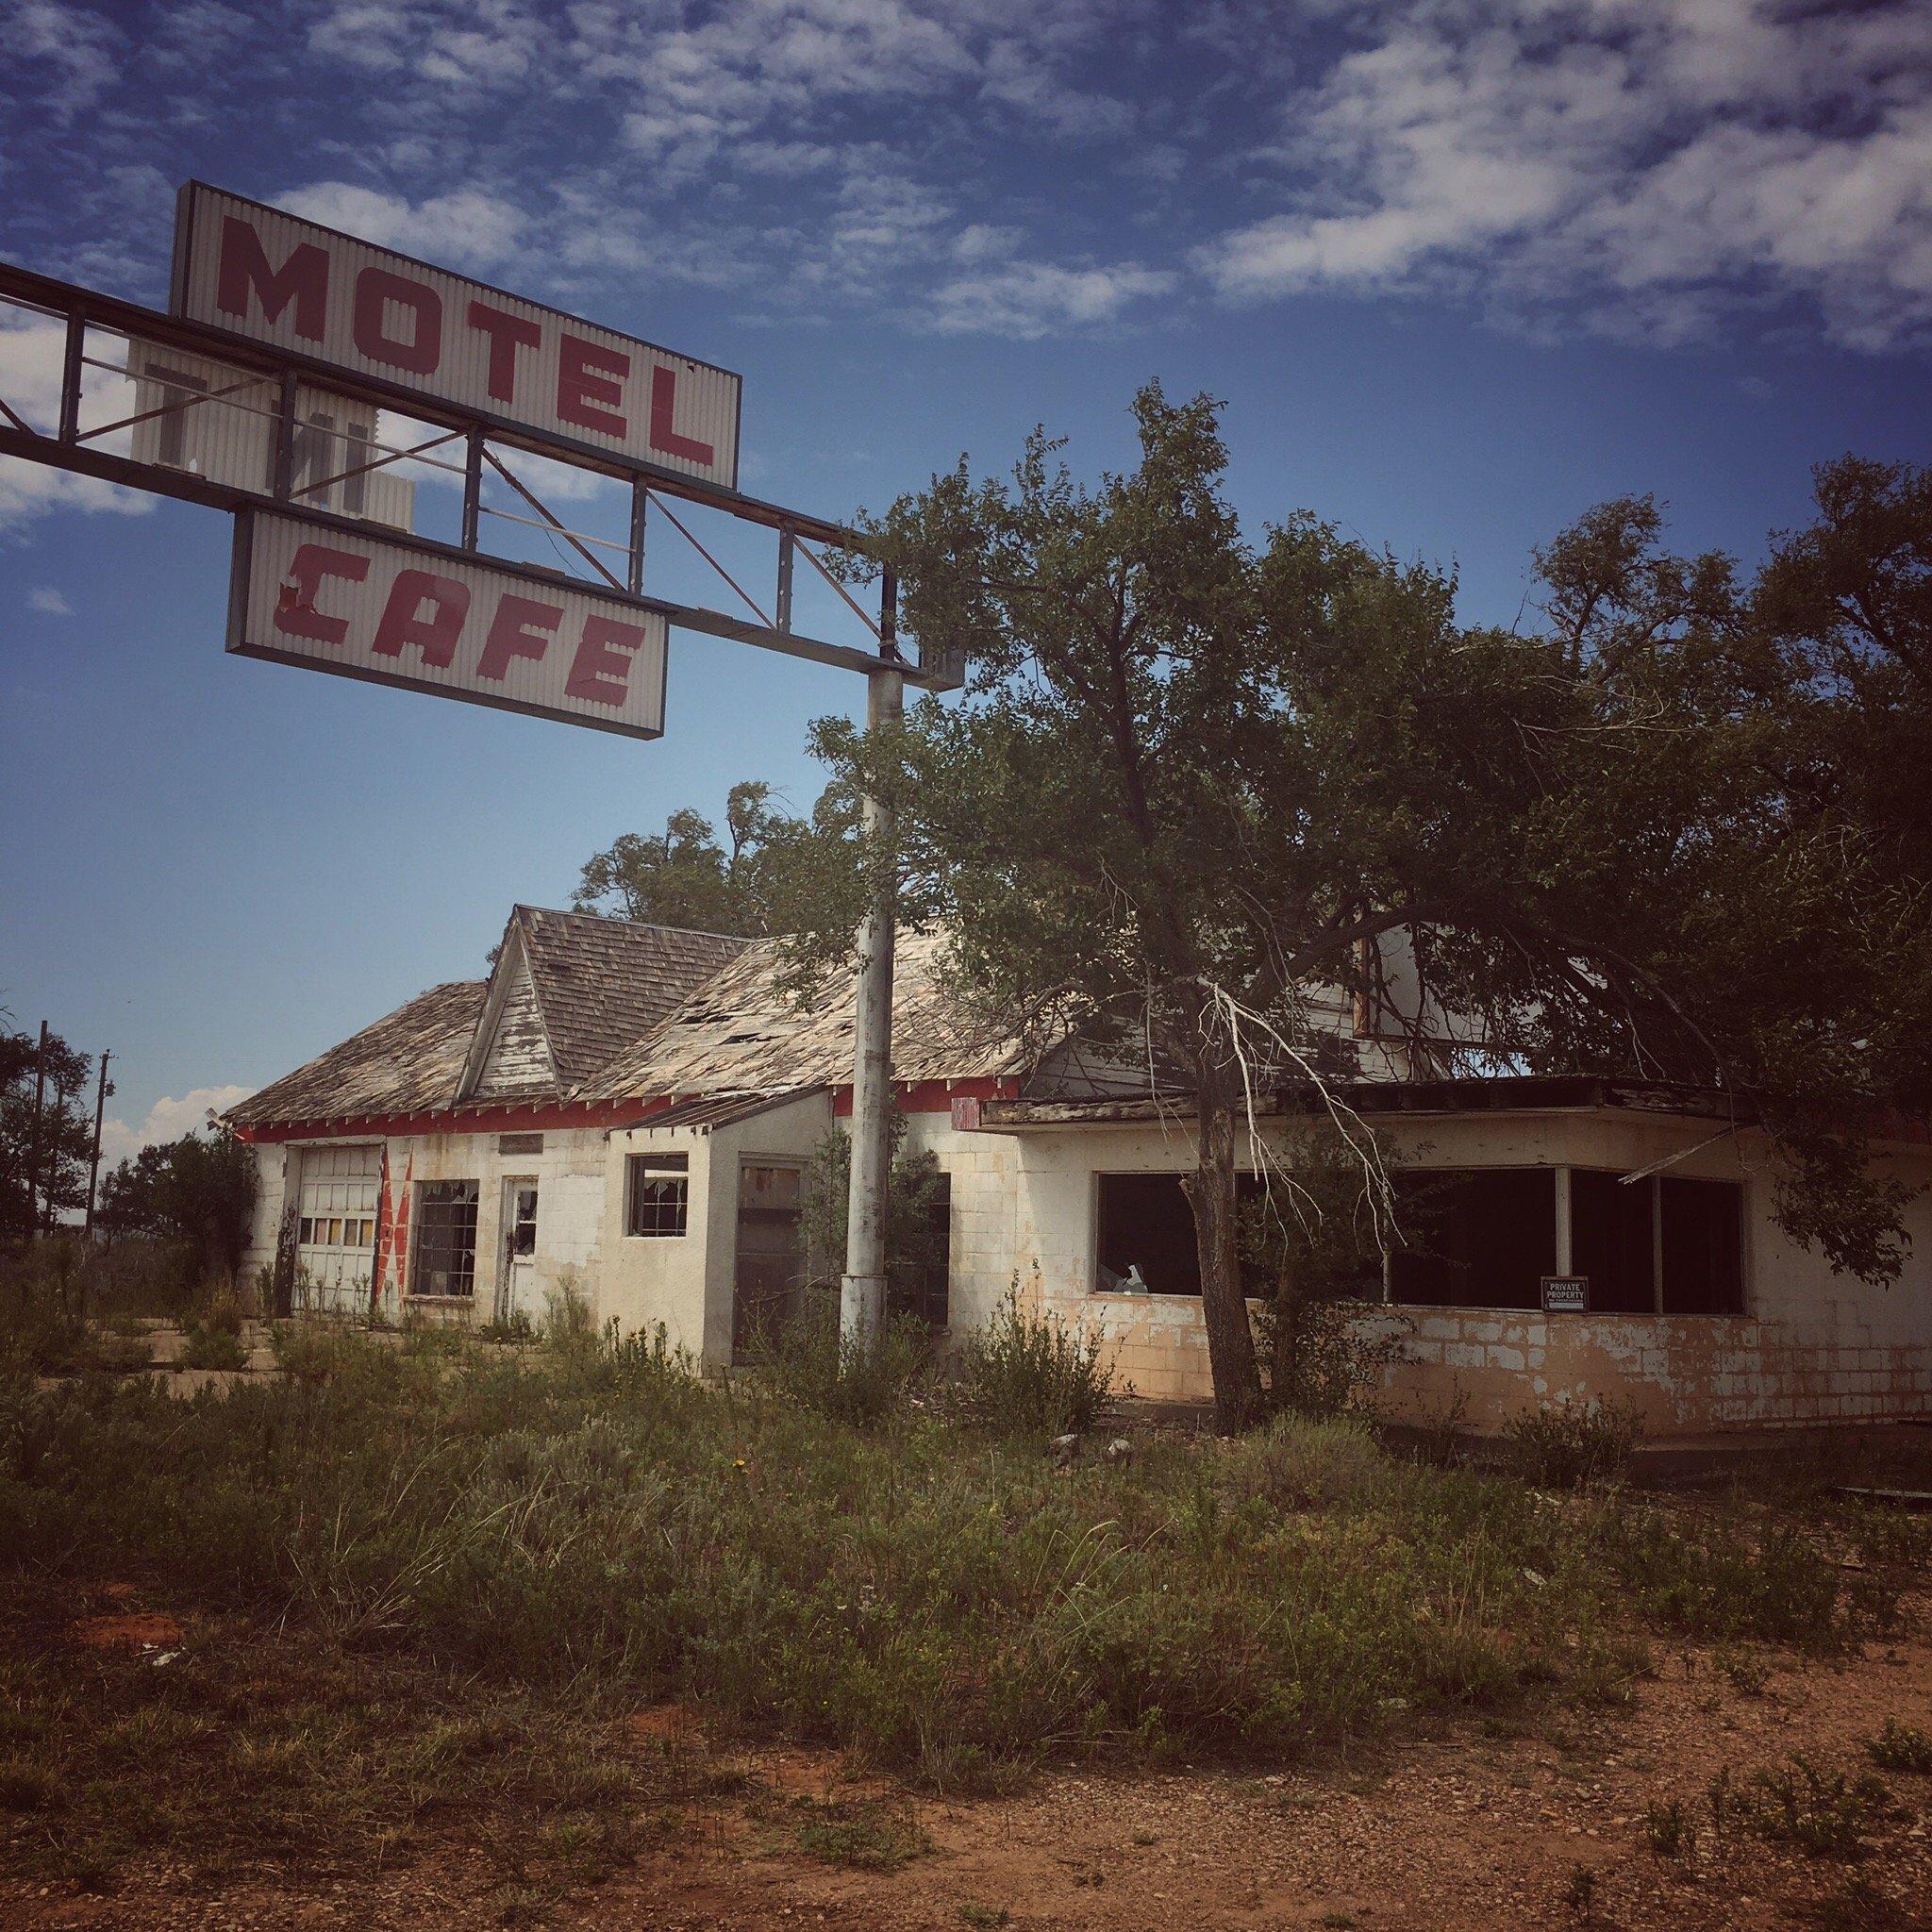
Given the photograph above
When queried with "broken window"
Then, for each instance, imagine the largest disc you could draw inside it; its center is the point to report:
(1479, 1238)
(1145, 1242)
(446, 1239)
(657, 1191)
(1610, 1241)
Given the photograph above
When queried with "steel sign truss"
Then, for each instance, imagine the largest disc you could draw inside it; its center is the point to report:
(169, 405)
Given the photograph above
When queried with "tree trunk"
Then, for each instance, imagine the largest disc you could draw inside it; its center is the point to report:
(1223, 1306)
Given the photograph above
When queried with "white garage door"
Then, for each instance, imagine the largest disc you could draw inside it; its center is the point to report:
(335, 1234)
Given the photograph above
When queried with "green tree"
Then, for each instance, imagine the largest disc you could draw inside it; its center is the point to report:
(916, 1195)
(198, 1191)
(683, 877)
(1314, 1239)
(65, 1140)
(1195, 783)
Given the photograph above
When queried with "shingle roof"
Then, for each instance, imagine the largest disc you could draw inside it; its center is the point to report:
(740, 1034)
(406, 1063)
(604, 983)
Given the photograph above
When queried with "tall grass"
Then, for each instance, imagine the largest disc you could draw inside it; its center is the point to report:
(939, 1602)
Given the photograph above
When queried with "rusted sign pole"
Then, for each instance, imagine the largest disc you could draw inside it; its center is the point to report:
(863, 1293)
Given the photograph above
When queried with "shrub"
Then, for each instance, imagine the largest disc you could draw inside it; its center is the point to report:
(1299, 1463)
(1567, 1444)
(1822, 1812)
(862, 1380)
(1901, 1747)
(1025, 1373)
(1670, 1831)
(213, 1348)
(567, 1322)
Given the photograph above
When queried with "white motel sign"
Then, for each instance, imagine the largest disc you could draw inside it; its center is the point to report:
(370, 312)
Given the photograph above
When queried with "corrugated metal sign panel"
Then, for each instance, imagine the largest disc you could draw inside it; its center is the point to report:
(364, 606)
(274, 277)
(219, 421)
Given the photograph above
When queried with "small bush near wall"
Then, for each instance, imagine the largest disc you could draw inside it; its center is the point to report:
(1566, 1444)
(807, 1360)
(1022, 1372)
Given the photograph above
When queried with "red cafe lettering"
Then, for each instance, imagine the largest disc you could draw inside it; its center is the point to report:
(427, 619)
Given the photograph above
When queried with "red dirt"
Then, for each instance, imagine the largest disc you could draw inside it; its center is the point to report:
(129, 1630)
(1466, 1832)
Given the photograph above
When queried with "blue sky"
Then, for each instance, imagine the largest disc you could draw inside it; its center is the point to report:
(1458, 269)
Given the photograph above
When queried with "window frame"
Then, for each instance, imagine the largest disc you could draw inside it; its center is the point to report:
(668, 1167)
(421, 1221)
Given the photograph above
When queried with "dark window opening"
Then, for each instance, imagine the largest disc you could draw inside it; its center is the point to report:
(770, 1269)
(1703, 1246)
(657, 1193)
(1610, 1241)
(1146, 1236)
(922, 1287)
(446, 1239)
(1483, 1238)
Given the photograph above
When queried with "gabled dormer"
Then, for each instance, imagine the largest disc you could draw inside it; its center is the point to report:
(510, 1057)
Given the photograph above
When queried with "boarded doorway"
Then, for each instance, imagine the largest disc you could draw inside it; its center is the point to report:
(771, 1267)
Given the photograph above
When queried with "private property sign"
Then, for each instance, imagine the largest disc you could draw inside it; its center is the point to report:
(372, 314)
(419, 616)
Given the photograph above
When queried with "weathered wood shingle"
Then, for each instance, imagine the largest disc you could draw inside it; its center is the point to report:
(740, 1033)
(602, 984)
(408, 1062)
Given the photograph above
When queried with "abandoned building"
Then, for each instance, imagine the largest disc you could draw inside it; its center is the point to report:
(632, 1109)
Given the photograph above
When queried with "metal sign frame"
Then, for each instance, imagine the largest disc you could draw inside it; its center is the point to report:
(67, 448)
(887, 671)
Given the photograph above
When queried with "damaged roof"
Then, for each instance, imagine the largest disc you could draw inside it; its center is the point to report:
(636, 1012)
(602, 984)
(739, 1033)
(408, 1062)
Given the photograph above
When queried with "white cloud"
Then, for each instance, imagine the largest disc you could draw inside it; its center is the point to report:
(1031, 298)
(69, 51)
(167, 1120)
(1653, 164)
(48, 602)
(470, 226)
(30, 363)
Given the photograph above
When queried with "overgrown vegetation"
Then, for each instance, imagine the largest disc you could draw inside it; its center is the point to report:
(943, 1604)
(1567, 1444)
(1023, 1371)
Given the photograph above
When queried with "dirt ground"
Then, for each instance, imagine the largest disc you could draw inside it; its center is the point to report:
(1481, 1828)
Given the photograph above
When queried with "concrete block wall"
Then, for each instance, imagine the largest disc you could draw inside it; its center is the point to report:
(1812, 1348)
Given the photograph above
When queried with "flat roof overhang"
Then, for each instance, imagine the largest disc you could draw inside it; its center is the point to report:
(1512, 1093)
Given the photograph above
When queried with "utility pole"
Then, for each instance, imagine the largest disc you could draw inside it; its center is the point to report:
(33, 1157)
(863, 1293)
(93, 1172)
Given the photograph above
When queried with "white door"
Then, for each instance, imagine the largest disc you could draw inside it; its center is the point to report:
(517, 1289)
(335, 1233)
